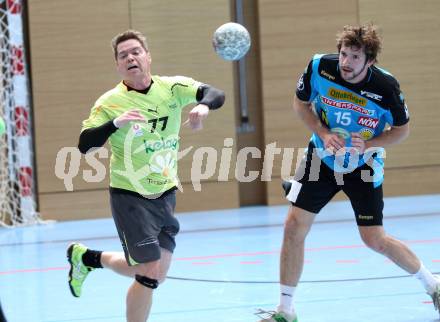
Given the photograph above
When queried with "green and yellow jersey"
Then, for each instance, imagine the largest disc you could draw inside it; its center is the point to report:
(144, 154)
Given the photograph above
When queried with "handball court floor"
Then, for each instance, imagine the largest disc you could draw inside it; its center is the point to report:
(226, 266)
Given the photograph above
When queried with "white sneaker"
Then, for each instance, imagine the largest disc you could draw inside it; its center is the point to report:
(436, 295)
(273, 316)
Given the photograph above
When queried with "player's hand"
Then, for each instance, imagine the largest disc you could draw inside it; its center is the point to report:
(196, 116)
(333, 142)
(358, 143)
(127, 117)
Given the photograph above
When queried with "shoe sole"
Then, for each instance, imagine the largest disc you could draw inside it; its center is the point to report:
(436, 304)
(69, 258)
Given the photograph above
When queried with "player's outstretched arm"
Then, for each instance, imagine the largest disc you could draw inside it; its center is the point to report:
(209, 98)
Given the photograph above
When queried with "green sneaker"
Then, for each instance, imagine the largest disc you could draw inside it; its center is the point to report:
(436, 296)
(272, 316)
(78, 271)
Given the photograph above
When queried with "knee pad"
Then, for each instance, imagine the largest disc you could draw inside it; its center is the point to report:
(147, 282)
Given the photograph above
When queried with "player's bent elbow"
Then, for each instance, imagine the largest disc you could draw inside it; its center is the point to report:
(222, 97)
(219, 99)
(407, 131)
(300, 106)
(401, 132)
(82, 148)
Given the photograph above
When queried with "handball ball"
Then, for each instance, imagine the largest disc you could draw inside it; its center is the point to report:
(2, 126)
(231, 41)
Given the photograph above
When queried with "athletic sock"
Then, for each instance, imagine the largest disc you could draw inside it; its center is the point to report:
(92, 258)
(286, 298)
(428, 280)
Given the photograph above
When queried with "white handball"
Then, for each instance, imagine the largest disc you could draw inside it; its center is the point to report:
(231, 41)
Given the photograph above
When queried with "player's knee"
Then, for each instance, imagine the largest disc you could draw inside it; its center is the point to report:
(162, 278)
(162, 275)
(375, 243)
(291, 224)
(147, 282)
(294, 225)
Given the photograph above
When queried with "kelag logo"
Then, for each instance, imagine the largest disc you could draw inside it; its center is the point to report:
(169, 143)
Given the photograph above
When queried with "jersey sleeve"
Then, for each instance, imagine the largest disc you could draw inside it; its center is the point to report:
(398, 108)
(184, 90)
(304, 88)
(97, 117)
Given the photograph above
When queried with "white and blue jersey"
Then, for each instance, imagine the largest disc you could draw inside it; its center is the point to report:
(367, 108)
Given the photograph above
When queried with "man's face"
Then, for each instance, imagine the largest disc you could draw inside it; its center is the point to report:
(132, 60)
(353, 64)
